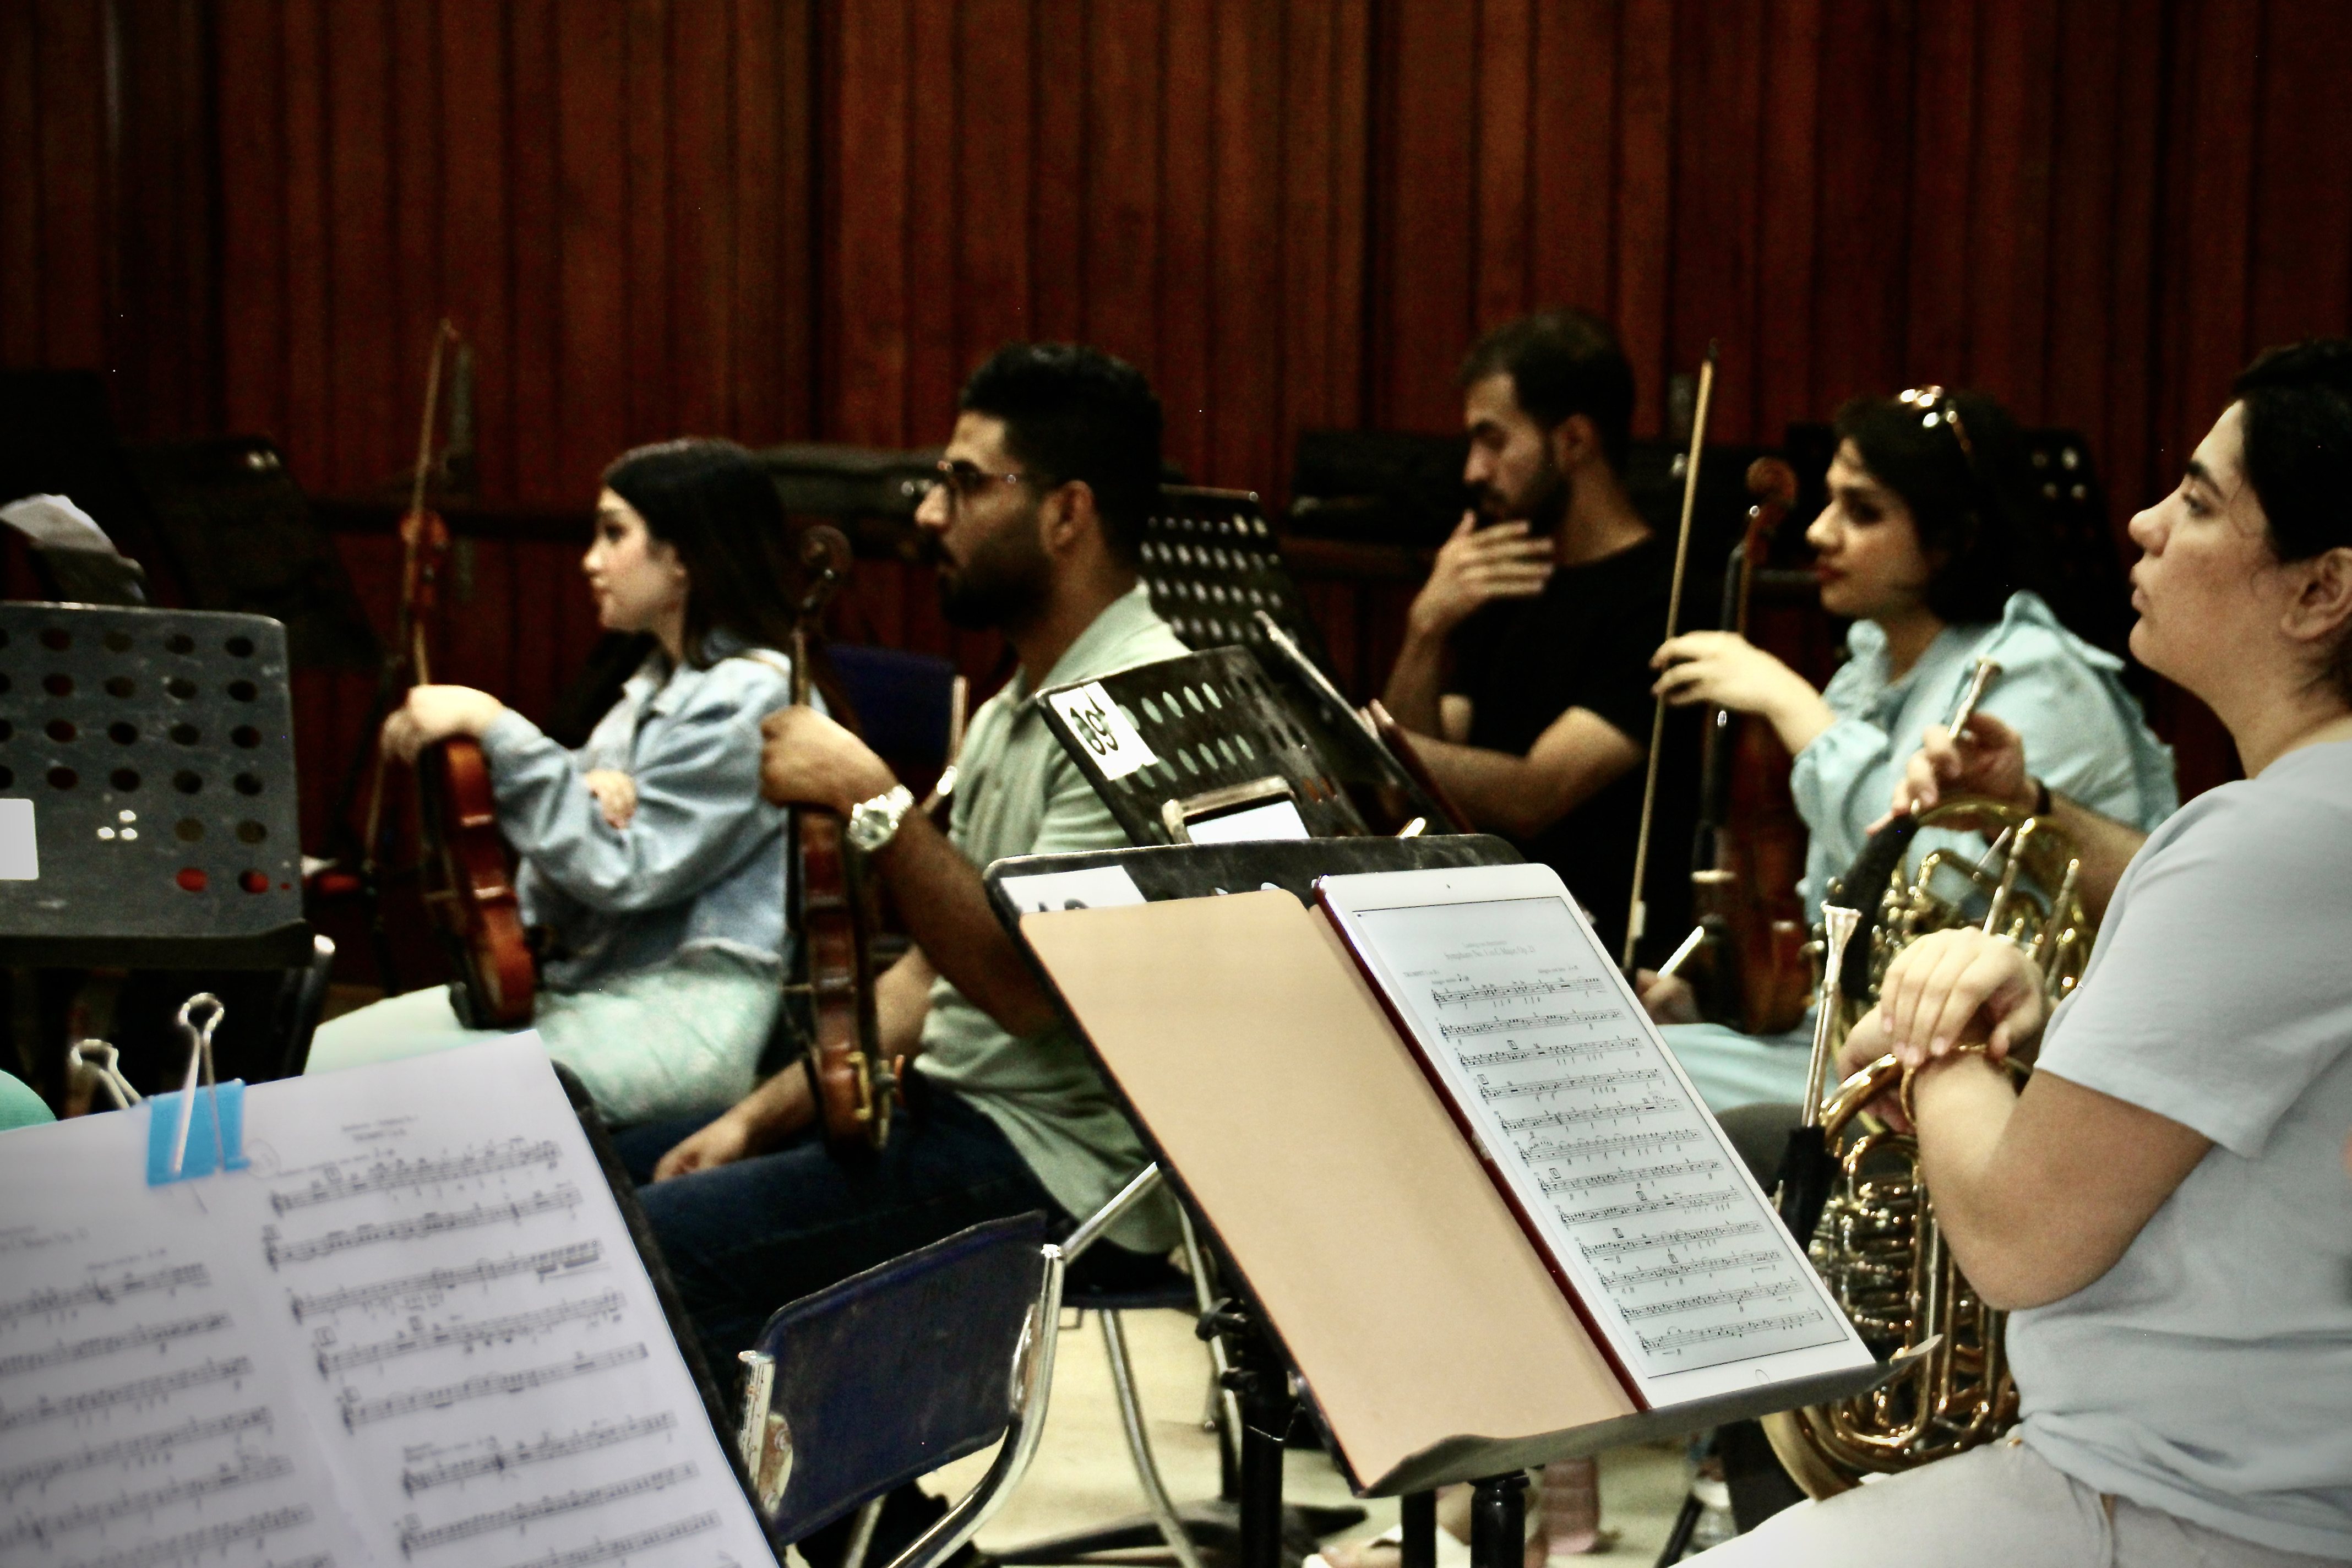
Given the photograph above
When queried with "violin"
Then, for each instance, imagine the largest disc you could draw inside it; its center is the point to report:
(469, 891)
(826, 901)
(1750, 850)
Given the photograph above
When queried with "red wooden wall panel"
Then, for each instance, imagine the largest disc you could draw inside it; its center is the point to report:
(793, 219)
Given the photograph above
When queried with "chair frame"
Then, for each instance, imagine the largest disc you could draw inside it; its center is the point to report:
(1032, 1374)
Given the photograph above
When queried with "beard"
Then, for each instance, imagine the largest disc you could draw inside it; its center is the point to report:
(1540, 503)
(1002, 586)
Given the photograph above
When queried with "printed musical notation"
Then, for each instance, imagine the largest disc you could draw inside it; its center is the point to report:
(418, 1226)
(132, 1451)
(387, 1175)
(603, 1550)
(415, 1538)
(417, 1304)
(103, 1292)
(358, 1413)
(565, 1260)
(497, 1461)
(1602, 1142)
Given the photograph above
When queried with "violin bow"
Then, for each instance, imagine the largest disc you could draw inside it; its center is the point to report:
(1635, 911)
(409, 636)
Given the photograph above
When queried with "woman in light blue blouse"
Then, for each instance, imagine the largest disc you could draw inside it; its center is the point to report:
(1926, 546)
(650, 864)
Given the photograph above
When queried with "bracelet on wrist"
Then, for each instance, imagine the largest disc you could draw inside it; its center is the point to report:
(2040, 797)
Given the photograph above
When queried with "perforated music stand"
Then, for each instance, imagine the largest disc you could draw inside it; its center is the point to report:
(1226, 736)
(152, 752)
(1213, 565)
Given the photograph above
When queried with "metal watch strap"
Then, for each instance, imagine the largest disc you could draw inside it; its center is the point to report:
(874, 822)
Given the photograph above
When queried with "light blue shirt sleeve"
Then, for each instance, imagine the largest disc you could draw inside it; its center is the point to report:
(2082, 730)
(699, 809)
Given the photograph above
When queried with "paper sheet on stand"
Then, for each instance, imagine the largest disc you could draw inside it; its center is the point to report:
(415, 1331)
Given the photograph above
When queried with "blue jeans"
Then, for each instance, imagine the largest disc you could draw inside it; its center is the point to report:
(744, 1239)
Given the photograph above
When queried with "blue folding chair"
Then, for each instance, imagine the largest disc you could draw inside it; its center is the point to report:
(911, 1365)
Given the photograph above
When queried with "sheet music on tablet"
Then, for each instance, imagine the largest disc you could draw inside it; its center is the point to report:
(415, 1331)
(1624, 1182)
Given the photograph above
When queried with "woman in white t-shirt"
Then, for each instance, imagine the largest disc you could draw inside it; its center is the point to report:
(2164, 1206)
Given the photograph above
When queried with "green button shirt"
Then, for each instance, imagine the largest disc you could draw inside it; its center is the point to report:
(1018, 792)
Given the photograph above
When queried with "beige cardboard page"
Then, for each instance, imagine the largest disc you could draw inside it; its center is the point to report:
(1264, 1067)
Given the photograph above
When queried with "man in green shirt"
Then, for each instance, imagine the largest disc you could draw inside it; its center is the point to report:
(1033, 524)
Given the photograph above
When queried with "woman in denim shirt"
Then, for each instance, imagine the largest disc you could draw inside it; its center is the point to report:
(1926, 546)
(649, 861)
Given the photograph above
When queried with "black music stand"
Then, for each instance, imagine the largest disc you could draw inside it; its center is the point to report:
(1254, 1368)
(149, 758)
(1213, 565)
(1227, 737)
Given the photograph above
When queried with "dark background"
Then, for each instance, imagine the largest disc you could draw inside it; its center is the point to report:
(780, 220)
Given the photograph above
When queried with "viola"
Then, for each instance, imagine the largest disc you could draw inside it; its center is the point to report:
(1750, 850)
(469, 892)
(826, 901)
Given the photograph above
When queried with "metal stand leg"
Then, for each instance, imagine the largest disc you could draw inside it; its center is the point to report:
(1499, 1522)
(1138, 1444)
(1260, 1384)
(1417, 1528)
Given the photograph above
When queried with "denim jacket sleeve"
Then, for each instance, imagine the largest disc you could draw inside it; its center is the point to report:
(698, 808)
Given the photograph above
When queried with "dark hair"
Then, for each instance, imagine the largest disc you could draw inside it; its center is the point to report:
(1072, 412)
(714, 504)
(1968, 501)
(1562, 363)
(2298, 457)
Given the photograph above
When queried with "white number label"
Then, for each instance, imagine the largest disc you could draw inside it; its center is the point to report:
(1096, 720)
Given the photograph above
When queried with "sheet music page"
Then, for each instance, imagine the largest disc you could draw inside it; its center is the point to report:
(1604, 1146)
(425, 1273)
(147, 1416)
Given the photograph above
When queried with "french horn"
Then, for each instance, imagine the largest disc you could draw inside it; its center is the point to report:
(1877, 1245)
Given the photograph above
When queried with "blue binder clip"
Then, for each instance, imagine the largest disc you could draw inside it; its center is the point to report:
(180, 1145)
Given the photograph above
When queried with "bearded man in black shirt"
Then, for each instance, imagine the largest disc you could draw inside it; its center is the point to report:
(1527, 655)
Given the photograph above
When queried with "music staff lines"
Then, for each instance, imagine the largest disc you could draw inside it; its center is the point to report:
(1618, 1145)
(1648, 1105)
(358, 1413)
(1734, 1295)
(1491, 1092)
(1565, 1050)
(1464, 993)
(1702, 1235)
(1532, 1022)
(108, 1344)
(587, 1440)
(197, 1543)
(104, 1293)
(1684, 1270)
(1666, 1203)
(446, 1335)
(131, 1450)
(623, 1546)
(143, 1390)
(436, 1223)
(253, 1470)
(1552, 1185)
(414, 1539)
(1716, 1334)
(555, 1260)
(391, 1176)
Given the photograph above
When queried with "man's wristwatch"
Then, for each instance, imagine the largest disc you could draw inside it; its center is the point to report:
(874, 822)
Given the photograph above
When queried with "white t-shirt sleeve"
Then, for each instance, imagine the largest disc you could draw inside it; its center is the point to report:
(2217, 994)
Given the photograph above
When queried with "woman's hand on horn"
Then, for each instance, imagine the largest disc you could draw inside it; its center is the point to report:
(1986, 758)
(1953, 984)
